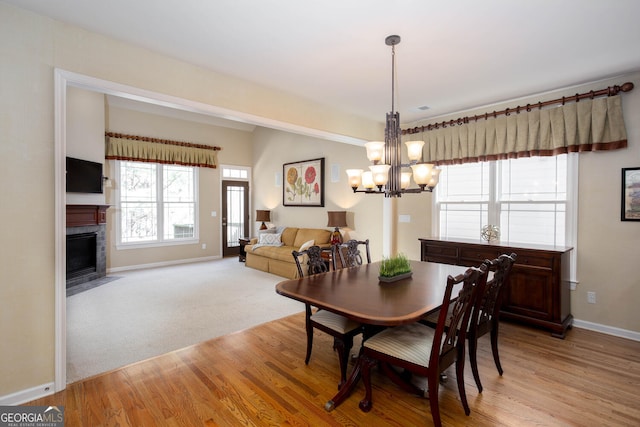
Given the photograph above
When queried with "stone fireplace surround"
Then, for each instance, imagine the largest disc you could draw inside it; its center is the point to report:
(83, 219)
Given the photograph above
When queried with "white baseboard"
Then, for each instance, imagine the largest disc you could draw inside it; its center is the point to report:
(609, 330)
(162, 264)
(27, 395)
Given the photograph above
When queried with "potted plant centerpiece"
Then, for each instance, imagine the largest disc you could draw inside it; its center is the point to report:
(394, 268)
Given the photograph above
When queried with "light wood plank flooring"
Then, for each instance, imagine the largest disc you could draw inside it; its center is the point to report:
(258, 377)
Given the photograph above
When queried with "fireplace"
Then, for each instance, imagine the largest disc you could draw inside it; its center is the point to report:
(81, 254)
(86, 243)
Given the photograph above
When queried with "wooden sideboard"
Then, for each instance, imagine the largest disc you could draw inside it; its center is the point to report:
(538, 293)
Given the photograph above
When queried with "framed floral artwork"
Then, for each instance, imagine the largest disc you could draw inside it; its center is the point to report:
(303, 183)
(630, 194)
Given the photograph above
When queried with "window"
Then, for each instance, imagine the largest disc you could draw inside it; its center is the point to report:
(527, 198)
(235, 172)
(157, 203)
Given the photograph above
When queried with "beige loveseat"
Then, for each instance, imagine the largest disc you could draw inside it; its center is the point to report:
(278, 259)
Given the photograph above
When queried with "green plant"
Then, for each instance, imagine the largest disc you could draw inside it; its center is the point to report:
(394, 266)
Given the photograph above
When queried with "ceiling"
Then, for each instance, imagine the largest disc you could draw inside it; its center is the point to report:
(454, 55)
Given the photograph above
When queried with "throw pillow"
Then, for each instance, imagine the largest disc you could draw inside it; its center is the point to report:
(304, 259)
(267, 231)
(270, 239)
(306, 245)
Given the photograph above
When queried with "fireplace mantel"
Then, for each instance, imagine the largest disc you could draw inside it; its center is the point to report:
(83, 215)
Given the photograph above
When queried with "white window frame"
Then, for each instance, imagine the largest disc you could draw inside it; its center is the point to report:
(571, 213)
(160, 241)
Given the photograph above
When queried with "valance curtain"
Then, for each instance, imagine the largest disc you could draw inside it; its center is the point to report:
(587, 125)
(145, 149)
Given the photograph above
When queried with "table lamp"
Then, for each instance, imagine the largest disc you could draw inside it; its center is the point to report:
(337, 219)
(263, 216)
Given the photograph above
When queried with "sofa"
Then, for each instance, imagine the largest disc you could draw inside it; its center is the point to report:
(273, 252)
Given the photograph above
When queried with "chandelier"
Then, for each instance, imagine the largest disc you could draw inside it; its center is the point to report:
(385, 176)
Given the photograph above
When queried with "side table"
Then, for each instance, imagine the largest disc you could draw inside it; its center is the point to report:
(243, 254)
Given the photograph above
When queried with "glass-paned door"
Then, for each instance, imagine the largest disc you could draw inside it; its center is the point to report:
(235, 215)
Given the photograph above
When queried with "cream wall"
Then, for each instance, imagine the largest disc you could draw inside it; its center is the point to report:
(236, 150)
(607, 247)
(415, 208)
(31, 47)
(85, 136)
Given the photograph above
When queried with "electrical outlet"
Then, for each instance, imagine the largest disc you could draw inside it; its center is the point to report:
(204, 246)
(591, 297)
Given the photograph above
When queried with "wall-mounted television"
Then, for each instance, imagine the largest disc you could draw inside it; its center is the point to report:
(83, 176)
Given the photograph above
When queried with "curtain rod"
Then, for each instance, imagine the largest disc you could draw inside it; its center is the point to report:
(609, 91)
(160, 141)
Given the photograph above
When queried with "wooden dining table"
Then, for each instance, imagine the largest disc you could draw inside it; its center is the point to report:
(357, 293)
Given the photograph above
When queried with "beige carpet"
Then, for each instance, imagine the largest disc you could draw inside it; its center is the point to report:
(150, 312)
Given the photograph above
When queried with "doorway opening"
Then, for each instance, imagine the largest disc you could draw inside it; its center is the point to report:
(235, 213)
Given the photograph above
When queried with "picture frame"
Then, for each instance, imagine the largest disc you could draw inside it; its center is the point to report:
(303, 183)
(630, 209)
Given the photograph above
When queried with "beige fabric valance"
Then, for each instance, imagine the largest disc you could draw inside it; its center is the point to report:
(588, 125)
(145, 149)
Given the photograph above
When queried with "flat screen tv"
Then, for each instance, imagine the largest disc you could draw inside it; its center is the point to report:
(83, 176)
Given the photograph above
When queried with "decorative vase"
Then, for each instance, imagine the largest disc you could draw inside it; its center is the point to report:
(490, 233)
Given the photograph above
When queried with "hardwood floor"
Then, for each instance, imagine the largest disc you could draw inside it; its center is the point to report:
(258, 377)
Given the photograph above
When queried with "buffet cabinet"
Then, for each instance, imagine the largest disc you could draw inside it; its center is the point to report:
(538, 292)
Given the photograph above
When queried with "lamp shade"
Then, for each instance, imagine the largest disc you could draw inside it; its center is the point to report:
(414, 149)
(375, 151)
(422, 173)
(355, 177)
(380, 174)
(367, 180)
(405, 180)
(337, 219)
(263, 215)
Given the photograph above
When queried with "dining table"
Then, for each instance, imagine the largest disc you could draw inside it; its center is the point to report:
(358, 293)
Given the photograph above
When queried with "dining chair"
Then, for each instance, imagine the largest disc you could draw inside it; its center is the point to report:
(424, 351)
(485, 317)
(350, 255)
(342, 330)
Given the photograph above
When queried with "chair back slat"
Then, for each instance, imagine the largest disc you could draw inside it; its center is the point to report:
(350, 255)
(488, 304)
(315, 263)
(451, 329)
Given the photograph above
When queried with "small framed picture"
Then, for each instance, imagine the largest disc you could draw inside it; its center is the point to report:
(303, 183)
(630, 210)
